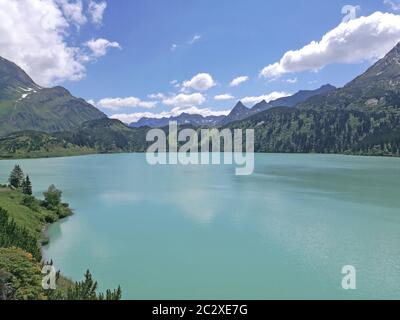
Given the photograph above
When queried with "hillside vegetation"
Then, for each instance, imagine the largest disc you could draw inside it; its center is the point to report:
(23, 220)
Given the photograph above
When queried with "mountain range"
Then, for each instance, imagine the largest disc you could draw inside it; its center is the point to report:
(239, 112)
(376, 89)
(182, 119)
(361, 118)
(24, 105)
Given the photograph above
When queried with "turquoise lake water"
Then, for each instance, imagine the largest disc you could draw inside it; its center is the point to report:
(200, 232)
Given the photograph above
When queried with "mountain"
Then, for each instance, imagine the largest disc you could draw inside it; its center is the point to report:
(184, 118)
(384, 74)
(293, 100)
(294, 130)
(13, 79)
(363, 117)
(376, 89)
(239, 112)
(106, 135)
(24, 105)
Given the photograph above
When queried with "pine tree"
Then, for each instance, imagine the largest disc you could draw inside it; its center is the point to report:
(16, 177)
(27, 186)
(86, 290)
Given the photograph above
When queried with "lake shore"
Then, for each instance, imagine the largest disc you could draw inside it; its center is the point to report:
(79, 154)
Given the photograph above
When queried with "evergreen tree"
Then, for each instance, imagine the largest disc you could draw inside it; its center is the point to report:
(86, 290)
(27, 186)
(111, 295)
(16, 177)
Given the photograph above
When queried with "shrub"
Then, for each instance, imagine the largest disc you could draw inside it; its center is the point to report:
(12, 235)
(22, 274)
(31, 203)
(52, 197)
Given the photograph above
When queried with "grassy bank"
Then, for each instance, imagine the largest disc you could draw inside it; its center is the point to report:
(23, 220)
(33, 216)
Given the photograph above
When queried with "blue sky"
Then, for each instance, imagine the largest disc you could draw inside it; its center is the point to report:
(153, 42)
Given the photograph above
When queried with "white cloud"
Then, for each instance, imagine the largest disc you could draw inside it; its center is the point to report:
(96, 11)
(34, 34)
(239, 80)
(292, 81)
(394, 4)
(100, 46)
(175, 83)
(195, 39)
(364, 38)
(73, 11)
(134, 117)
(129, 102)
(156, 96)
(223, 97)
(205, 112)
(200, 82)
(267, 97)
(185, 100)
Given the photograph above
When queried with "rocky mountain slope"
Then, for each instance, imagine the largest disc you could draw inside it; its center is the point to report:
(24, 105)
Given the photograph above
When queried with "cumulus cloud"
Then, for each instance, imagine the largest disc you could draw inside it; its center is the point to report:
(239, 80)
(134, 117)
(222, 97)
(96, 11)
(200, 82)
(393, 4)
(129, 102)
(267, 97)
(99, 47)
(364, 38)
(34, 34)
(185, 100)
